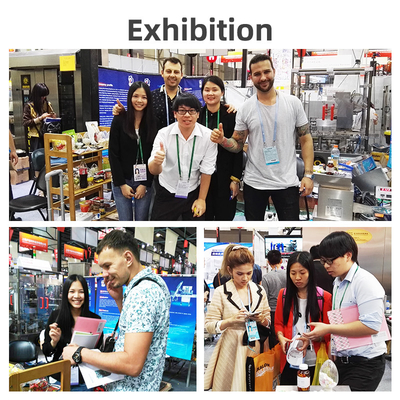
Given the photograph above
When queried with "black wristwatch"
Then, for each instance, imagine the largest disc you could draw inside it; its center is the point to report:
(77, 355)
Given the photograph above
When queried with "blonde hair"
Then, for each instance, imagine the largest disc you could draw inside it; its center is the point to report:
(234, 256)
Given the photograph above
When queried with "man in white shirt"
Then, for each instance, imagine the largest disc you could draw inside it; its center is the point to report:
(362, 367)
(184, 158)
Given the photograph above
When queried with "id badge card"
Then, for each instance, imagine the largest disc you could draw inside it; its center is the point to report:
(271, 155)
(74, 375)
(182, 190)
(252, 331)
(139, 172)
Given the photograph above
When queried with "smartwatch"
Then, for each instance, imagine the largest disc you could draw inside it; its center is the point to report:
(311, 176)
(77, 355)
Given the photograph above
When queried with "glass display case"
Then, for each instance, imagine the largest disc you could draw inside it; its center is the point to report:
(33, 295)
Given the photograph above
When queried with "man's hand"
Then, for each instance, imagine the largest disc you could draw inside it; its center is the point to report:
(230, 108)
(159, 157)
(217, 135)
(118, 108)
(198, 207)
(306, 186)
(68, 351)
(115, 292)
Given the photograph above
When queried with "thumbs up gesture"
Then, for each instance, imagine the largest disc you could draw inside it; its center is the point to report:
(159, 157)
(118, 108)
(217, 135)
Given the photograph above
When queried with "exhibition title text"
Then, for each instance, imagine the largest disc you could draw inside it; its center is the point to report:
(192, 30)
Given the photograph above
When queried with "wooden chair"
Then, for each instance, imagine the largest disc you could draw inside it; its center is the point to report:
(63, 366)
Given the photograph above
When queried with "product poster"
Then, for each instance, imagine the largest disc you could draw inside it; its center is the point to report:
(182, 323)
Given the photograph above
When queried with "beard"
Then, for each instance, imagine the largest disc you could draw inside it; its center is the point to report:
(263, 88)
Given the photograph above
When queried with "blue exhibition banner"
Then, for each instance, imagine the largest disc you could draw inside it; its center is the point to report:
(182, 323)
(91, 281)
(114, 84)
(106, 307)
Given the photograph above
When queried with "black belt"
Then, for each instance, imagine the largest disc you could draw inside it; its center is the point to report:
(357, 359)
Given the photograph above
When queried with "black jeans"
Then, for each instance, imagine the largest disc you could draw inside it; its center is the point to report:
(167, 207)
(361, 374)
(286, 202)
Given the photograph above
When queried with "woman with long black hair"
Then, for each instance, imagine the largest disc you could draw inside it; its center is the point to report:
(35, 112)
(74, 304)
(131, 139)
(298, 304)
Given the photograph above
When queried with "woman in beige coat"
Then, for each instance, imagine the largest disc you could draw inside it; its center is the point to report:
(227, 314)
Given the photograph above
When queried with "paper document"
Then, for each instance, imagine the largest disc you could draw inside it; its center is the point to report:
(94, 376)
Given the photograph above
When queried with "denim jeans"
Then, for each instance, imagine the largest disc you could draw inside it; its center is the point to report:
(126, 207)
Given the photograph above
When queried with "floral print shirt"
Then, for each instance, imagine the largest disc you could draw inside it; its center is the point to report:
(145, 309)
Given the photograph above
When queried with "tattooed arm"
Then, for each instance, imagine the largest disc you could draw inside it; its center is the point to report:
(307, 154)
(234, 143)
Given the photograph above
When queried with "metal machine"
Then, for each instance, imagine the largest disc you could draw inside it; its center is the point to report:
(330, 108)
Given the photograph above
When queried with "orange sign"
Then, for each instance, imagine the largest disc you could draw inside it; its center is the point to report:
(74, 252)
(30, 241)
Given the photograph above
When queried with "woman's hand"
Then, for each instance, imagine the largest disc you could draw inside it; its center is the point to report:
(241, 316)
(283, 341)
(140, 192)
(127, 191)
(259, 318)
(234, 186)
(55, 334)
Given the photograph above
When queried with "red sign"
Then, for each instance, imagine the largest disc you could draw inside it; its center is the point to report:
(74, 252)
(30, 241)
(211, 59)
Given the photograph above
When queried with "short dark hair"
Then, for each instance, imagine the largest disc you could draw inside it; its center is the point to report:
(173, 60)
(120, 241)
(187, 100)
(337, 244)
(260, 57)
(274, 257)
(314, 251)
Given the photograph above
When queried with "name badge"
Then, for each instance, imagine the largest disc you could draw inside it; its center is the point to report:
(74, 375)
(182, 189)
(271, 155)
(252, 331)
(139, 172)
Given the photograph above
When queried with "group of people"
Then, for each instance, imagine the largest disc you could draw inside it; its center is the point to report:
(293, 306)
(140, 348)
(196, 153)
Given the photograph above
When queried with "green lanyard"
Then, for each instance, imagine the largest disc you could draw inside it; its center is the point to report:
(207, 119)
(345, 290)
(139, 149)
(191, 158)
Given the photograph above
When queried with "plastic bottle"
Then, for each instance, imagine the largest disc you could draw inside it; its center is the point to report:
(335, 154)
(83, 174)
(330, 168)
(303, 378)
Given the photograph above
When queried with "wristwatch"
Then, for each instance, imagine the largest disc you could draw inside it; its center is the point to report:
(77, 355)
(311, 176)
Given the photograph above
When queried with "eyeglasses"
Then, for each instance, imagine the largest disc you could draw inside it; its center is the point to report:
(192, 111)
(328, 261)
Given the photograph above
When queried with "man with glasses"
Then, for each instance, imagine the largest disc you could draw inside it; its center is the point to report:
(361, 367)
(184, 158)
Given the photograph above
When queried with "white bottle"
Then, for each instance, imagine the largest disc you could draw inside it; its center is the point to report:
(335, 154)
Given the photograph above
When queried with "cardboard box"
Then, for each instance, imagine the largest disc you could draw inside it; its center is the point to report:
(20, 176)
(23, 163)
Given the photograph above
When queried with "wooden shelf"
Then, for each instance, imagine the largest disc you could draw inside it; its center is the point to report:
(73, 160)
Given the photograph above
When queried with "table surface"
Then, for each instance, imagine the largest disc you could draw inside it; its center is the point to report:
(290, 388)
